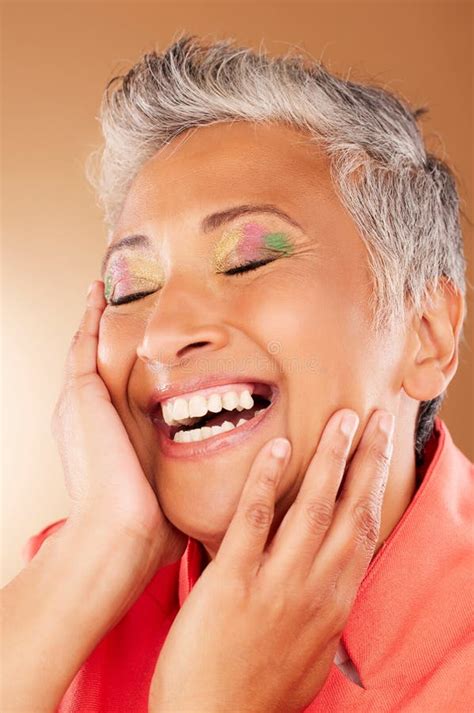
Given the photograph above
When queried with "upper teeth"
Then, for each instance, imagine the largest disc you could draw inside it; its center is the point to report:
(182, 410)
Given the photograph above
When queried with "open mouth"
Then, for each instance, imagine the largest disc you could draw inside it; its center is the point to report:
(210, 412)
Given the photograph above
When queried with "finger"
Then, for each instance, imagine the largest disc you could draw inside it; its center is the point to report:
(304, 526)
(243, 544)
(352, 537)
(82, 355)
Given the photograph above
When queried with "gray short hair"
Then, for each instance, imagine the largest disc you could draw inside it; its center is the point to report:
(403, 199)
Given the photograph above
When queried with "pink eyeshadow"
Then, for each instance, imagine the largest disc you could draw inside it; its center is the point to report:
(122, 270)
(250, 246)
(128, 271)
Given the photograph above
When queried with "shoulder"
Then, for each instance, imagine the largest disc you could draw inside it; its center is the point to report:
(34, 542)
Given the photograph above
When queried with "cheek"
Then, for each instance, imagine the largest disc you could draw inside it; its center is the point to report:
(116, 353)
(315, 325)
(306, 311)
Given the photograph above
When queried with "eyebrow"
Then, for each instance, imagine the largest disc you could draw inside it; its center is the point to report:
(208, 224)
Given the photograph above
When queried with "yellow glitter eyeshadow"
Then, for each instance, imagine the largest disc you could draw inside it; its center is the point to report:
(225, 246)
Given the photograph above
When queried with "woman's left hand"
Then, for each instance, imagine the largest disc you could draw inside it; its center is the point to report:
(260, 628)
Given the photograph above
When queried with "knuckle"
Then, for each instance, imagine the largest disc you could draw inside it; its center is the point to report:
(76, 389)
(268, 476)
(82, 384)
(71, 401)
(337, 455)
(318, 514)
(60, 423)
(366, 521)
(259, 515)
(57, 417)
(379, 457)
(76, 337)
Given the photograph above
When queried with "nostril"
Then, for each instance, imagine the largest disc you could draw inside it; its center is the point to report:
(190, 347)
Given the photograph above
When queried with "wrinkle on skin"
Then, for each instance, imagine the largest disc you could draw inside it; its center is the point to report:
(313, 303)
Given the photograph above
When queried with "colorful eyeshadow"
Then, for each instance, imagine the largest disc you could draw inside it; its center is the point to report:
(249, 243)
(226, 245)
(131, 273)
(250, 247)
(278, 241)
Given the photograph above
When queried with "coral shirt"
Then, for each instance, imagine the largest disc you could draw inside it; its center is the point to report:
(409, 635)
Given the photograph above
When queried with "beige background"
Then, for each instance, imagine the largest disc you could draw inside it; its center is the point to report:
(57, 58)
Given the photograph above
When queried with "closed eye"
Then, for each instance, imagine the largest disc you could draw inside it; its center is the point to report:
(128, 298)
(246, 268)
(238, 270)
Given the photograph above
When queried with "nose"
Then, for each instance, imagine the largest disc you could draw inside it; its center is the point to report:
(183, 325)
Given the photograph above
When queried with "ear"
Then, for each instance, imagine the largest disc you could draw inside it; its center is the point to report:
(433, 351)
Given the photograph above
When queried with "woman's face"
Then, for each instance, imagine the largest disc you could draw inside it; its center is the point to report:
(295, 329)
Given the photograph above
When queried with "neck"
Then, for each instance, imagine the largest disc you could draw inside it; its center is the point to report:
(401, 485)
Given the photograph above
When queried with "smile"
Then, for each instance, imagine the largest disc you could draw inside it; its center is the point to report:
(210, 414)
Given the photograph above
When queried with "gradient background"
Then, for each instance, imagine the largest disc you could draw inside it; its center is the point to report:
(57, 59)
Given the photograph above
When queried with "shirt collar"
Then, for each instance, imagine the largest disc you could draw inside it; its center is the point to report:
(407, 589)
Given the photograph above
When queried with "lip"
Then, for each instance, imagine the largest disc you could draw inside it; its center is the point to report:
(160, 394)
(227, 439)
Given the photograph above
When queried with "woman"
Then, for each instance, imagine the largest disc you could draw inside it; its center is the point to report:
(248, 426)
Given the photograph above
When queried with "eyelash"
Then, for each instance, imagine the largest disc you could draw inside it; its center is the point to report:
(246, 267)
(239, 270)
(128, 298)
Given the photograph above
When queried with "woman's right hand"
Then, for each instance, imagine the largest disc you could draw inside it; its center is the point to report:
(103, 475)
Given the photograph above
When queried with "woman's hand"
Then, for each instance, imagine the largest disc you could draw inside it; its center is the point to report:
(260, 628)
(103, 475)
(88, 573)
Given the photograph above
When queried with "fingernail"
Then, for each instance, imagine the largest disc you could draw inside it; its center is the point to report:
(280, 448)
(348, 424)
(91, 287)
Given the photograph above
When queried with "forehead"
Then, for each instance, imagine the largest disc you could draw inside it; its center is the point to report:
(223, 164)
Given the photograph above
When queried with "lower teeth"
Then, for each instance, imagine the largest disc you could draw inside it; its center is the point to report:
(202, 434)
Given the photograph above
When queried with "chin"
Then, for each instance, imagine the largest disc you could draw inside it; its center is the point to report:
(204, 515)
